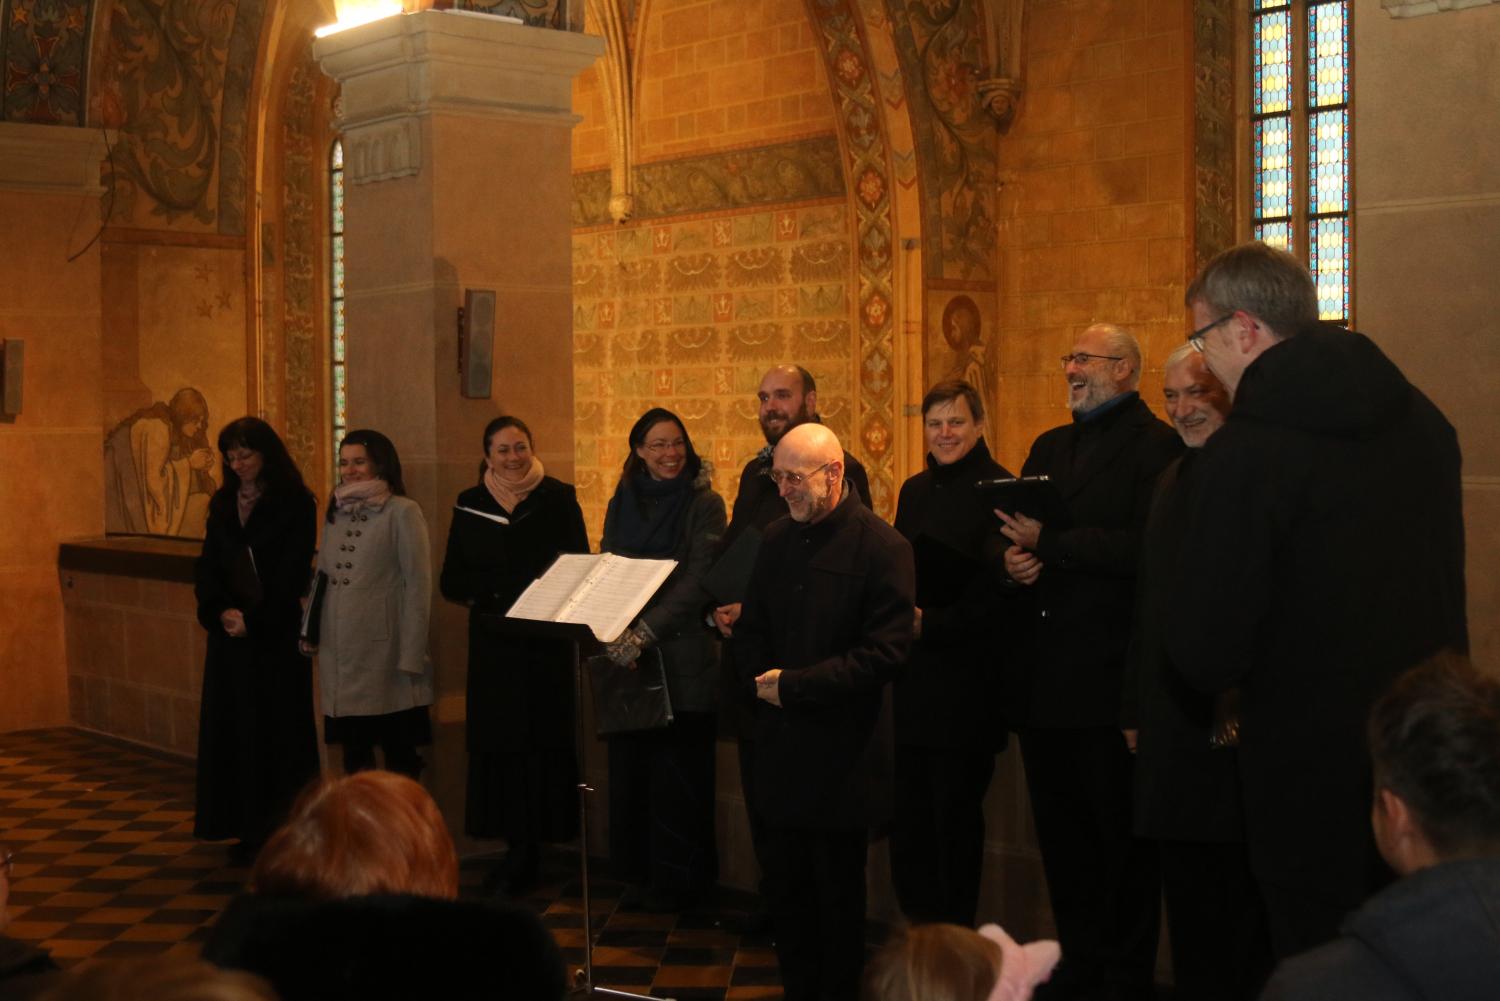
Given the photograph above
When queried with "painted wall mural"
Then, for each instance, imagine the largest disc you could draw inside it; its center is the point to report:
(159, 469)
(940, 44)
(968, 356)
(788, 172)
(564, 14)
(1213, 129)
(179, 78)
(44, 46)
(867, 163)
(688, 313)
(303, 171)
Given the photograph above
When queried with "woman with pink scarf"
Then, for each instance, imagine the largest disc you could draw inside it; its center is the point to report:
(376, 678)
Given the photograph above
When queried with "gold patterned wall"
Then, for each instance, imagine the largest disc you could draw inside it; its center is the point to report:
(688, 313)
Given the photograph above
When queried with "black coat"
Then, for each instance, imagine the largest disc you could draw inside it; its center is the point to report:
(831, 605)
(1433, 936)
(1082, 605)
(950, 693)
(1323, 554)
(689, 648)
(520, 689)
(257, 741)
(25, 971)
(1185, 789)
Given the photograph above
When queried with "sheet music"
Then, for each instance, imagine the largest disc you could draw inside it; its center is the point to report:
(604, 592)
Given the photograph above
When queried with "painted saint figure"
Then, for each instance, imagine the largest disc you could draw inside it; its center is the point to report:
(157, 469)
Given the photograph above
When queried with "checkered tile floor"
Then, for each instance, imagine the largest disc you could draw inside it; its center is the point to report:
(106, 865)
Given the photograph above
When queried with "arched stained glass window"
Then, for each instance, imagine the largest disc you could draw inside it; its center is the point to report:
(1300, 131)
(336, 296)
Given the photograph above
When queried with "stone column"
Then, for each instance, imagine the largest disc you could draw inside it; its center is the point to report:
(457, 132)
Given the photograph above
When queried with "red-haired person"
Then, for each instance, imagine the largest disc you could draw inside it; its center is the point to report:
(943, 962)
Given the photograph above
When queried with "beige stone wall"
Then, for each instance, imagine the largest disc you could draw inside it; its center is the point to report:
(1427, 239)
(51, 468)
(1092, 208)
(135, 657)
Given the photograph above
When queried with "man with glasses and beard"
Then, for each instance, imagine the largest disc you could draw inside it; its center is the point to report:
(827, 623)
(788, 397)
(1323, 553)
(1079, 576)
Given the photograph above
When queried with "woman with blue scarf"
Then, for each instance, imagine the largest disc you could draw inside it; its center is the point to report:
(661, 782)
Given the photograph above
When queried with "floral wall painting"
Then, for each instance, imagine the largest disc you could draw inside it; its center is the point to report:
(159, 469)
(44, 45)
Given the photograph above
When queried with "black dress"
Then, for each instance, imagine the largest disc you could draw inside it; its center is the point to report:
(523, 769)
(257, 742)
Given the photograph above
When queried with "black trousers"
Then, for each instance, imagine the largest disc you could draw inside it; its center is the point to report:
(816, 894)
(937, 834)
(1221, 949)
(661, 805)
(1102, 880)
(757, 826)
(401, 757)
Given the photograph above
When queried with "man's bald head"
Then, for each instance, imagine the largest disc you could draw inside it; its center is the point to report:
(808, 467)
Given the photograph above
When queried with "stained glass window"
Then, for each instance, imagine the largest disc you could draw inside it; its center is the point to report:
(1301, 122)
(336, 295)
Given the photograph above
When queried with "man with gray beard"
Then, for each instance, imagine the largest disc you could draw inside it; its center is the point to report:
(1079, 579)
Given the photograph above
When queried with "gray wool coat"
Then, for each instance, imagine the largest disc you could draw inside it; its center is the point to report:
(372, 645)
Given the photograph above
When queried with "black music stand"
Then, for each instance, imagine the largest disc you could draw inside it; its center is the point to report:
(581, 643)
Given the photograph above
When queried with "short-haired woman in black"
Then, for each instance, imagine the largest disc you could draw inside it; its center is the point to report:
(257, 743)
(661, 782)
(523, 769)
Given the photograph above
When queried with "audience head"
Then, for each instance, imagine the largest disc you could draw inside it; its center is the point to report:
(1244, 301)
(367, 833)
(253, 453)
(508, 449)
(808, 469)
(788, 396)
(952, 420)
(1105, 363)
(942, 962)
(661, 448)
(1196, 401)
(1435, 746)
(158, 978)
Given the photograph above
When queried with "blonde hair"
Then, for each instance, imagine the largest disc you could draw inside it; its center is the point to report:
(370, 832)
(936, 962)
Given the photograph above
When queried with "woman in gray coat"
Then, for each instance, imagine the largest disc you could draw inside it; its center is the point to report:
(661, 782)
(376, 678)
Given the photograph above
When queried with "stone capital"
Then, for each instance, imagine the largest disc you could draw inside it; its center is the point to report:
(52, 159)
(454, 62)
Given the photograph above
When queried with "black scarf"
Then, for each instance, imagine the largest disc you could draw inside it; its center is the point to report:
(648, 515)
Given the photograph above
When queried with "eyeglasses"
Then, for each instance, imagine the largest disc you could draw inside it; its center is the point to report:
(658, 447)
(780, 476)
(1083, 358)
(1196, 337)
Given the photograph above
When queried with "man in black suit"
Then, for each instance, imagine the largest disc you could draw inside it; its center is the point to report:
(1187, 789)
(1080, 578)
(827, 622)
(1322, 555)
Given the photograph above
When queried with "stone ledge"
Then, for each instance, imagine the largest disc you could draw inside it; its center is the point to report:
(1416, 8)
(150, 557)
(51, 159)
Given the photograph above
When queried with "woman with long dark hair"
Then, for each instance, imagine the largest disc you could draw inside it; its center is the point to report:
(376, 678)
(661, 782)
(523, 769)
(257, 743)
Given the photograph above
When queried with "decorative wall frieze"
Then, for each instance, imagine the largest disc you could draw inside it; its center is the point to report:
(51, 159)
(396, 70)
(1416, 8)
